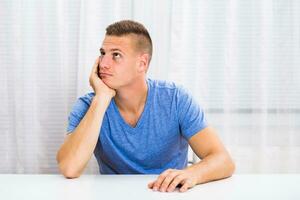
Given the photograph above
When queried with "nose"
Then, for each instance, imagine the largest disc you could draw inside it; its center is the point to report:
(105, 61)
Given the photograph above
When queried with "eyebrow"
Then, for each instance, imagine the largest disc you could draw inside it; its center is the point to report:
(114, 49)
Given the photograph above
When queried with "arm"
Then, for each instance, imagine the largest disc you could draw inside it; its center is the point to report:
(76, 151)
(215, 164)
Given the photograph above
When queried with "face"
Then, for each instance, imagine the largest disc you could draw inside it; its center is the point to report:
(120, 63)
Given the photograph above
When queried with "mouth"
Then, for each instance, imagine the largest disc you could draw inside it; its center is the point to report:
(105, 74)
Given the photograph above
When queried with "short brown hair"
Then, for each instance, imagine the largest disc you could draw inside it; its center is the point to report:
(126, 27)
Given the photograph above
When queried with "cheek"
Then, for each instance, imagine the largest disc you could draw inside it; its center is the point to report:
(124, 72)
(127, 70)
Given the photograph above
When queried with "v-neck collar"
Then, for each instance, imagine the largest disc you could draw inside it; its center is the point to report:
(142, 116)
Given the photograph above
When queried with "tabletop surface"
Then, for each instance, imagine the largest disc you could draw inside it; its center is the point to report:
(237, 187)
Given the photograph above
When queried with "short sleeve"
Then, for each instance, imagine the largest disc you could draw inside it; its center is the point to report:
(190, 115)
(78, 111)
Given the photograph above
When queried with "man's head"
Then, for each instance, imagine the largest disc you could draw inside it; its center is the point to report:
(141, 38)
(125, 53)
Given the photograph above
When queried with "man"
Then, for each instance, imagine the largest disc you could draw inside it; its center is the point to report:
(137, 125)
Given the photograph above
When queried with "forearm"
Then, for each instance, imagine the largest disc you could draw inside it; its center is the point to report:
(213, 167)
(78, 148)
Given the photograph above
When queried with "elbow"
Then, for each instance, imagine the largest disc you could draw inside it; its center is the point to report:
(230, 166)
(67, 169)
(69, 172)
(227, 165)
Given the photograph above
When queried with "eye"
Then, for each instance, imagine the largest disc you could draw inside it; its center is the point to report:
(116, 55)
(102, 53)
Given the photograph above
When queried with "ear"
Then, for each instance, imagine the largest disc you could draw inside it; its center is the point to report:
(143, 63)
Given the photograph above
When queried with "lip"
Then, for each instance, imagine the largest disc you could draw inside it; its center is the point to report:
(105, 74)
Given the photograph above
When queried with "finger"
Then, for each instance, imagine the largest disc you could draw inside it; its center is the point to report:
(160, 179)
(150, 185)
(176, 181)
(169, 178)
(185, 187)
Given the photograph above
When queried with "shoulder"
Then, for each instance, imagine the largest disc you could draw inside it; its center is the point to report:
(161, 84)
(83, 102)
(78, 110)
(168, 88)
(164, 86)
(87, 98)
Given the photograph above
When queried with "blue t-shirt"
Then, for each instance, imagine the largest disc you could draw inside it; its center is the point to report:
(159, 139)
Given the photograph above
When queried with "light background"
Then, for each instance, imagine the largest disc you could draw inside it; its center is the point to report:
(240, 59)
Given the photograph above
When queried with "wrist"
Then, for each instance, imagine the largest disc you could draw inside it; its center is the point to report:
(102, 98)
(103, 93)
(196, 173)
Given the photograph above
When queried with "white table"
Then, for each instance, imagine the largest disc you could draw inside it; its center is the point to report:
(131, 187)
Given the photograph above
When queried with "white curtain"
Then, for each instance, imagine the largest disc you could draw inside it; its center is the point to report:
(240, 59)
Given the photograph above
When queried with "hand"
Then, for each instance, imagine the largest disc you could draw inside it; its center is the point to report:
(97, 84)
(171, 178)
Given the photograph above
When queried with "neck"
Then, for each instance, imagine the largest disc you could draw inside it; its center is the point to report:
(132, 97)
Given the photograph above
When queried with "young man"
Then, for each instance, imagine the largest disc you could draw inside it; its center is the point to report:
(137, 125)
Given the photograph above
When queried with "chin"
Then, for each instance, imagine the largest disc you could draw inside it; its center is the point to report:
(110, 84)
